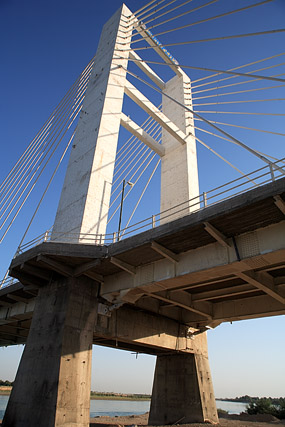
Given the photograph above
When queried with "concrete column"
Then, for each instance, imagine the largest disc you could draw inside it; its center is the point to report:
(182, 390)
(179, 173)
(85, 197)
(52, 385)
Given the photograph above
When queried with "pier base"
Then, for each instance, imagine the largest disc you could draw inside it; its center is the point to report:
(52, 385)
(182, 391)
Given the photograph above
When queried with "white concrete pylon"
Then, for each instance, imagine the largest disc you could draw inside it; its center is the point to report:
(84, 202)
(179, 171)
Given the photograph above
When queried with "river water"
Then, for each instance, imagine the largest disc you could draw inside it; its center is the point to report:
(114, 408)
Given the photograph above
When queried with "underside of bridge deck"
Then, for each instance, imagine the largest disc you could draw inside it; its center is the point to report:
(224, 263)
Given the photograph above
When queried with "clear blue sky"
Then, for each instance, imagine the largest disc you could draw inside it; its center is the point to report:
(44, 47)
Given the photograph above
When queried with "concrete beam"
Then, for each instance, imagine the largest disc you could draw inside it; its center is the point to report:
(146, 331)
(178, 299)
(83, 268)
(97, 277)
(216, 234)
(18, 298)
(142, 101)
(246, 308)
(165, 252)
(56, 266)
(262, 281)
(225, 292)
(142, 135)
(35, 271)
(279, 202)
(147, 69)
(205, 263)
(28, 279)
(123, 265)
(5, 304)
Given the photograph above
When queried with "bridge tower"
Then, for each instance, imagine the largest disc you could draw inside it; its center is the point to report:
(52, 385)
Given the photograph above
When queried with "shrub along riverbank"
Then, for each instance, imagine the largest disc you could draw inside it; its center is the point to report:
(275, 407)
(262, 405)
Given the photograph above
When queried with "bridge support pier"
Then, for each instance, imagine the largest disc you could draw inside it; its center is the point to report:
(182, 390)
(52, 386)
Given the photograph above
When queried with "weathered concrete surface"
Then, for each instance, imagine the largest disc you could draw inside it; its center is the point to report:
(52, 386)
(183, 390)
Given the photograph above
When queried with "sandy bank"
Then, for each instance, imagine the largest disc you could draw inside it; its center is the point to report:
(242, 420)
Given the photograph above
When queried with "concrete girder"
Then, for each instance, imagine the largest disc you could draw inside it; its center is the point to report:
(262, 281)
(247, 308)
(142, 101)
(279, 202)
(142, 135)
(83, 268)
(225, 292)
(146, 331)
(123, 265)
(165, 252)
(147, 69)
(56, 265)
(18, 298)
(180, 299)
(266, 243)
(216, 234)
(146, 328)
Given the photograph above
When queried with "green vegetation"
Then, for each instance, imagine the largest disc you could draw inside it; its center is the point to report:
(222, 411)
(5, 387)
(6, 383)
(118, 396)
(262, 405)
(272, 406)
(94, 394)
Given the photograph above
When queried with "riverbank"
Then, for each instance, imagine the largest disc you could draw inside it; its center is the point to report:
(242, 420)
(128, 398)
(6, 391)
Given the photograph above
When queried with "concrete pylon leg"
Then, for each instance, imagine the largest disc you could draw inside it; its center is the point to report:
(52, 386)
(182, 390)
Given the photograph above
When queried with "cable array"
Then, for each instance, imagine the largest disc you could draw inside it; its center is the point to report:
(138, 160)
(207, 19)
(211, 124)
(23, 177)
(135, 162)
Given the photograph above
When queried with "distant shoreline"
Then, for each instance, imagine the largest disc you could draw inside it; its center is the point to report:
(98, 396)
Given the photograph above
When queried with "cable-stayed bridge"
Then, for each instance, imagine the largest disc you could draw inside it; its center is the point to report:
(156, 284)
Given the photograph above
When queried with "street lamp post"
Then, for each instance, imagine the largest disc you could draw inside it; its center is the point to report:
(121, 207)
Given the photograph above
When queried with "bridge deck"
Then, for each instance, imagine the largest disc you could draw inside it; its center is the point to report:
(223, 263)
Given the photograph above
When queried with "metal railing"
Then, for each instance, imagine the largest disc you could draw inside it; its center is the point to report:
(226, 191)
